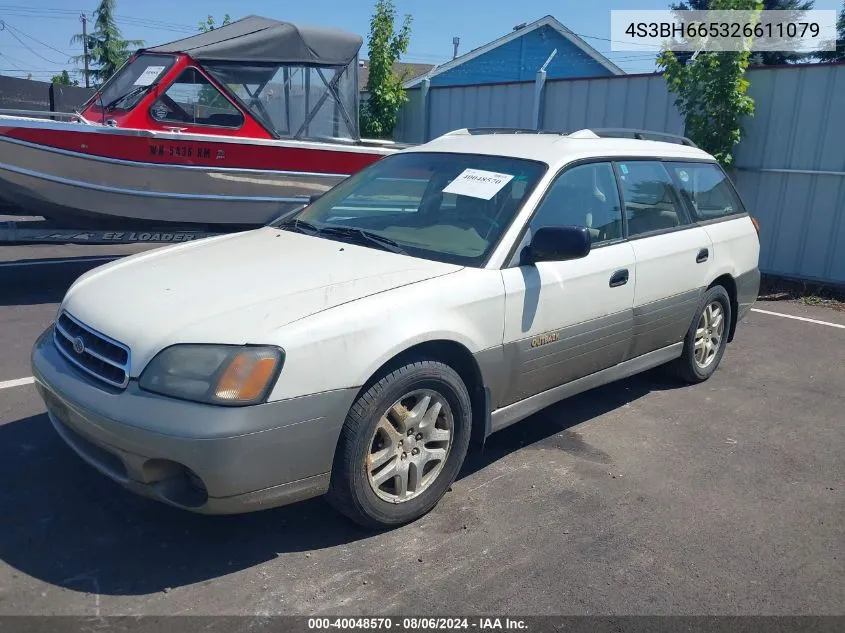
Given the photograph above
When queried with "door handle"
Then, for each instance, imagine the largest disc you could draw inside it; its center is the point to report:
(702, 256)
(619, 278)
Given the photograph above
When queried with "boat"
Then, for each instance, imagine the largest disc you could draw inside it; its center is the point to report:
(226, 129)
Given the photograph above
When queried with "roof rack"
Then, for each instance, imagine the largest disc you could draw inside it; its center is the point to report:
(497, 130)
(642, 135)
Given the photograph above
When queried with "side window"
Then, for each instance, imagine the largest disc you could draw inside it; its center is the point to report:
(707, 189)
(585, 195)
(651, 203)
(191, 98)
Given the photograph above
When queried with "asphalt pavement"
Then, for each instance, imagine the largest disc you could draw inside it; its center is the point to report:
(642, 497)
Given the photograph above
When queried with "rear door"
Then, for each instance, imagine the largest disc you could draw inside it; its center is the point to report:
(673, 256)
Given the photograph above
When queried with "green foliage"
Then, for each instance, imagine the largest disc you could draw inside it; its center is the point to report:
(107, 49)
(210, 23)
(839, 53)
(386, 95)
(63, 79)
(711, 92)
(765, 58)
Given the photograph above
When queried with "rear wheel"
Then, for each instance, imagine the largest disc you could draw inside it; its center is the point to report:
(402, 445)
(706, 338)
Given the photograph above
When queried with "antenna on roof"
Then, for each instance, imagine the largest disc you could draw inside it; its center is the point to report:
(455, 42)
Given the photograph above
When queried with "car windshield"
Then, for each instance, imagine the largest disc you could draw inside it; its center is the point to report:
(129, 84)
(446, 207)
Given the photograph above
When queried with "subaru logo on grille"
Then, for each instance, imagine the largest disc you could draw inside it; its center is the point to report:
(78, 345)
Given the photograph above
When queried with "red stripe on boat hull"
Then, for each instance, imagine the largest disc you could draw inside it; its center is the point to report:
(190, 151)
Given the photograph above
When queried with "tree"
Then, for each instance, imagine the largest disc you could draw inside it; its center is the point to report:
(711, 91)
(839, 53)
(386, 95)
(766, 58)
(107, 49)
(210, 23)
(63, 79)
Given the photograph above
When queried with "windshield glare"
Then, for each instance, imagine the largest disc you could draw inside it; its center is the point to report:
(446, 207)
(132, 77)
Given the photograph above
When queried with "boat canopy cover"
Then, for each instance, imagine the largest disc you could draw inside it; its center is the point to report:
(254, 39)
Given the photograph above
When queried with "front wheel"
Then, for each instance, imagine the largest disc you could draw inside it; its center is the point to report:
(402, 445)
(707, 337)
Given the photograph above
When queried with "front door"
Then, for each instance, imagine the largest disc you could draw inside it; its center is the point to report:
(565, 320)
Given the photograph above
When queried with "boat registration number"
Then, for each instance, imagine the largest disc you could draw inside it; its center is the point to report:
(187, 151)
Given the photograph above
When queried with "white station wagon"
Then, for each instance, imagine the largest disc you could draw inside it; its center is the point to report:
(441, 294)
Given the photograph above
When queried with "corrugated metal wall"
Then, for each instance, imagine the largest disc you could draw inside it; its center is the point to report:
(640, 102)
(791, 170)
(504, 105)
(790, 164)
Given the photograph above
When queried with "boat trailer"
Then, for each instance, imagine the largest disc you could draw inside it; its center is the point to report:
(45, 232)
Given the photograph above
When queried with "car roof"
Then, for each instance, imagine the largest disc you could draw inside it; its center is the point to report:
(556, 149)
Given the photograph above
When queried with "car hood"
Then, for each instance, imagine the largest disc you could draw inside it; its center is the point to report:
(233, 288)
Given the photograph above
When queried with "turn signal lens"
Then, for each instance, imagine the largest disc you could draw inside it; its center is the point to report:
(756, 224)
(247, 377)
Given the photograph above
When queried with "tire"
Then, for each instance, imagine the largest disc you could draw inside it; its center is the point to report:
(688, 367)
(365, 441)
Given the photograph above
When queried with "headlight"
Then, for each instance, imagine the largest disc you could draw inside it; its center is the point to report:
(215, 374)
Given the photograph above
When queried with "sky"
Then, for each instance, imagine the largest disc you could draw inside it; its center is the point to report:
(37, 38)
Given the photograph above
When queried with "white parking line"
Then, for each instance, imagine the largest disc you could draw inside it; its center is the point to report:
(798, 318)
(18, 382)
(43, 262)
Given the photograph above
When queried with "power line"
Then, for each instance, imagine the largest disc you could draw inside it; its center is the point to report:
(14, 29)
(29, 48)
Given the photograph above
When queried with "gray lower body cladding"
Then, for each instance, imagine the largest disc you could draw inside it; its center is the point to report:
(524, 369)
(747, 290)
(213, 459)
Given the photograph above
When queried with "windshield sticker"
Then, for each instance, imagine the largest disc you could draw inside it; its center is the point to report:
(478, 183)
(149, 75)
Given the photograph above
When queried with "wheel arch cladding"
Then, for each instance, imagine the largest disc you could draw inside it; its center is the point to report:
(729, 284)
(459, 358)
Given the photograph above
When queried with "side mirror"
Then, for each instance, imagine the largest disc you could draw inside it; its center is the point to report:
(557, 244)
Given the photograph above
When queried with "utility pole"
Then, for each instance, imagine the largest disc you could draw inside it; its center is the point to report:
(84, 19)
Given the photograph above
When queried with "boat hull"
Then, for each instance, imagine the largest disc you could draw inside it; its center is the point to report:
(87, 189)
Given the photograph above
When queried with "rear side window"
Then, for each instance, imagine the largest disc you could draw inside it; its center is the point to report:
(651, 202)
(707, 189)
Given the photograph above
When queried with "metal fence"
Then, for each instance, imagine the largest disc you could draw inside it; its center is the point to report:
(790, 166)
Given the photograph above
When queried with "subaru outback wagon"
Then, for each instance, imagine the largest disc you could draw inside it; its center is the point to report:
(439, 295)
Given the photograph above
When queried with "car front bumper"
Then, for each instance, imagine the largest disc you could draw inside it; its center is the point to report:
(203, 458)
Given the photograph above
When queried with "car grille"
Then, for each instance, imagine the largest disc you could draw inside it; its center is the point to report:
(96, 354)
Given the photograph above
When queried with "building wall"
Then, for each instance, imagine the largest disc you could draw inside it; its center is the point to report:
(790, 165)
(520, 59)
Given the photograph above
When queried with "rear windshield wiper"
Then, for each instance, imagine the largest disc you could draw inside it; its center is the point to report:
(385, 243)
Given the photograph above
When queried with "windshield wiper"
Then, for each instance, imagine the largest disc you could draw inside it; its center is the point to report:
(385, 243)
(300, 226)
(137, 90)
